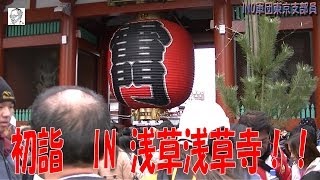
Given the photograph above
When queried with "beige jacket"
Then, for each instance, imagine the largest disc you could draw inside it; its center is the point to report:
(123, 168)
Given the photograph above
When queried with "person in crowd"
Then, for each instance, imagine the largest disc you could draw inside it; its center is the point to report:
(259, 121)
(239, 171)
(313, 175)
(198, 114)
(28, 176)
(167, 123)
(11, 129)
(311, 156)
(124, 160)
(126, 132)
(115, 127)
(310, 130)
(284, 136)
(297, 130)
(7, 103)
(78, 112)
(156, 141)
(311, 122)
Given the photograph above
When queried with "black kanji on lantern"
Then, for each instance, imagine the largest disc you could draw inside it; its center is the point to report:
(137, 58)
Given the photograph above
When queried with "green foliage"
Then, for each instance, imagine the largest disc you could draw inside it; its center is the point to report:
(249, 100)
(229, 94)
(279, 99)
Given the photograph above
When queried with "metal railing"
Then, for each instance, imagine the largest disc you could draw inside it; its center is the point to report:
(22, 114)
(308, 112)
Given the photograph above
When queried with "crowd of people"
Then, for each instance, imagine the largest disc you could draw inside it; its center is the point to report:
(78, 112)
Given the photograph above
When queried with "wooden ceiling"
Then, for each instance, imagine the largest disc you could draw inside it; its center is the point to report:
(194, 20)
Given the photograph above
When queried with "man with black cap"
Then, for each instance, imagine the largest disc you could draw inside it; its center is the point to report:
(7, 102)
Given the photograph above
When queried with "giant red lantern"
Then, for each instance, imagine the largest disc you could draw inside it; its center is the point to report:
(151, 64)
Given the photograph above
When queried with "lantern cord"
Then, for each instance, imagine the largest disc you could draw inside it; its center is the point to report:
(230, 39)
(287, 35)
(235, 31)
(294, 30)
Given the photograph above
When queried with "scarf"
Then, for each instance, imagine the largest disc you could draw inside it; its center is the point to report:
(5, 146)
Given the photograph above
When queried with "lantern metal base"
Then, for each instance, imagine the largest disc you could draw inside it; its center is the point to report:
(147, 117)
(144, 114)
(153, 123)
(146, 123)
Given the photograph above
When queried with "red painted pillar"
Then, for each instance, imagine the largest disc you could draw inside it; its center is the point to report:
(316, 59)
(102, 67)
(224, 48)
(2, 35)
(68, 50)
(3, 4)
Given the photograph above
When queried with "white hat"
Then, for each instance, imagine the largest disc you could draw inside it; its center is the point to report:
(202, 114)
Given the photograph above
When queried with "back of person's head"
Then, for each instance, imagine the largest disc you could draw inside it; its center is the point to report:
(115, 127)
(257, 120)
(124, 143)
(126, 131)
(309, 121)
(232, 173)
(212, 174)
(168, 124)
(310, 130)
(238, 172)
(311, 152)
(77, 112)
(237, 128)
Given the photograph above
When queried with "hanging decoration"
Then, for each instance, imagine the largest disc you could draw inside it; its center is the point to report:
(151, 65)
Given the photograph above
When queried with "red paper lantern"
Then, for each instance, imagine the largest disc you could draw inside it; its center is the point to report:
(151, 64)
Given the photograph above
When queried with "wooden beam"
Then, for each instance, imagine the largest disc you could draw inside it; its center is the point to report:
(87, 47)
(236, 2)
(37, 15)
(102, 8)
(289, 23)
(2, 32)
(202, 37)
(33, 4)
(316, 61)
(28, 41)
(8, 2)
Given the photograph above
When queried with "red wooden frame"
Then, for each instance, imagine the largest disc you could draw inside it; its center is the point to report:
(28, 41)
(289, 23)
